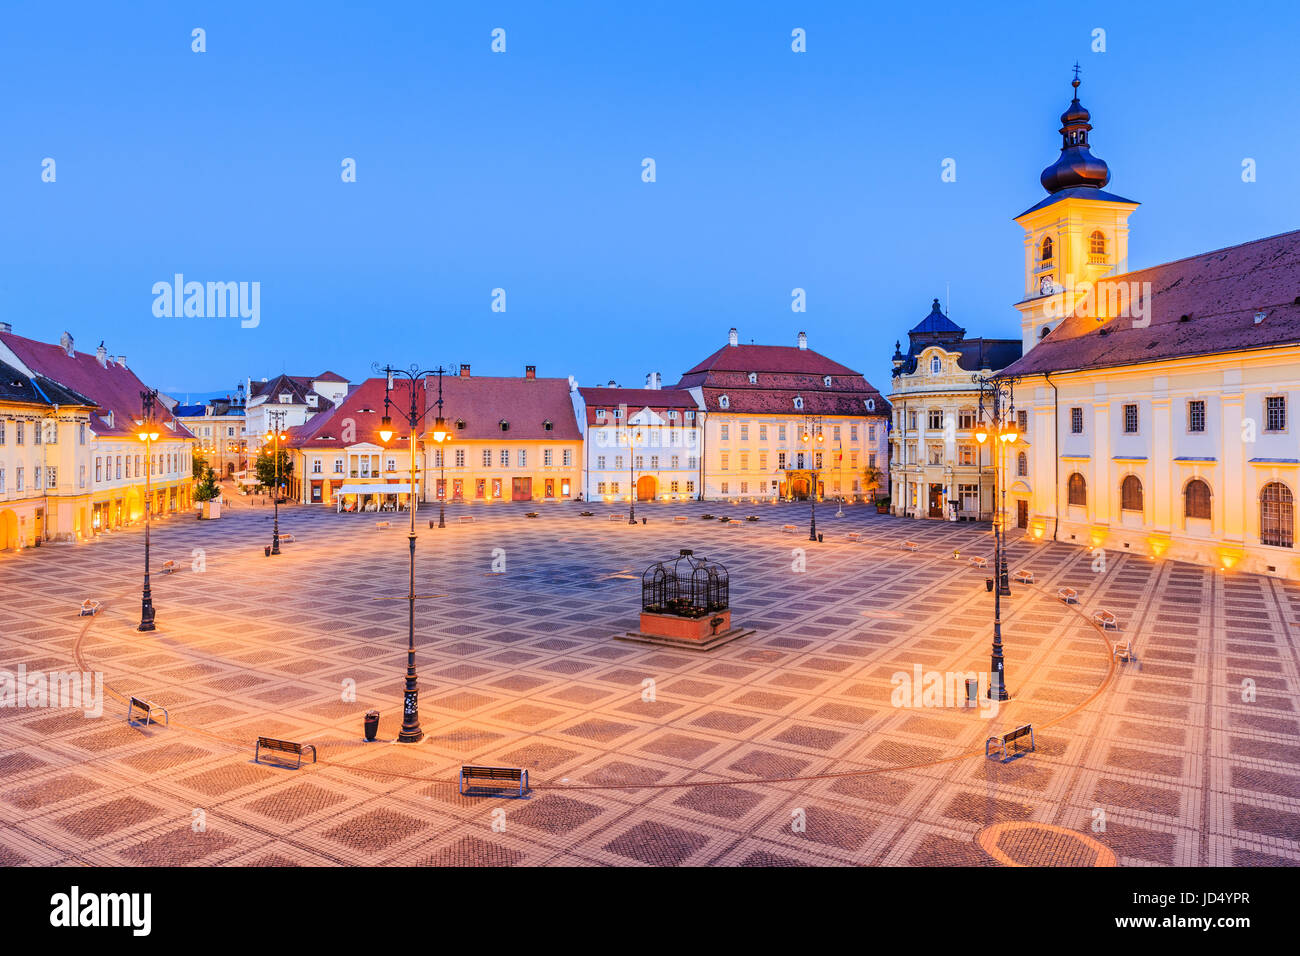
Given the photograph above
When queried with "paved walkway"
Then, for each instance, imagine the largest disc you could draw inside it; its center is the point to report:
(805, 757)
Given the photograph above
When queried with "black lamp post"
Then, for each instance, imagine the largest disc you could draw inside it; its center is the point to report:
(148, 434)
(276, 435)
(813, 437)
(997, 420)
(415, 413)
(631, 468)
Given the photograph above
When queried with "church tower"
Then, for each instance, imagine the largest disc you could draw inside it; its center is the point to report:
(1074, 237)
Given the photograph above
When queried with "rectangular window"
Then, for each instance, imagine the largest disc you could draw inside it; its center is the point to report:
(744, 431)
(18, 433)
(966, 419)
(523, 458)
(853, 433)
(725, 461)
(724, 431)
(487, 458)
(1076, 420)
(392, 464)
(640, 462)
(460, 457)
(36, 475)
(98, 473)
(338, 466)
(81, 434)
(672, 486)
(2, 431)
(762, 461)
(1196, 416)
(744, 487)
(744, 461)
(817, 460)
(37, 436)
(1022, 420)
(965, 455)
(315, 466)
(51, 477)
(654, 462)
(20, 477)
(1130, 419)
(871, 433)
(762, 433)
(567, 457)
(2, 477)
(780, 460)
(613, 487)
(505, 458)
(690, 416)
(618, 462)
(780, 433)
(835, 433)
(935, 419)
(911, 421)
(725, 488)
(1275, 413)
(548, 457)
(600, 462)
(676, 462)
(600, 487)
(871, 460)
(690, 486)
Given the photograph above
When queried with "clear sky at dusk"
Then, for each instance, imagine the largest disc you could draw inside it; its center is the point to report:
(522, 171)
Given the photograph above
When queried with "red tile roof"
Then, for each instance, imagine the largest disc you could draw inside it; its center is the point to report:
(656, 399)
(329, 377)
(1220, 292)
(769, 358)
(115, 389)
(481, 402)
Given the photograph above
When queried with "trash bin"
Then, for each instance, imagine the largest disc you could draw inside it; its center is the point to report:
(972, 692)
(372, 724)
(819, 538)
(988, 584)
(643, 520)
(268, 550)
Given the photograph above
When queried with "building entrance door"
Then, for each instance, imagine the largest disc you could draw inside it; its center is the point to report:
(1022, 513)
(936, 501)
(645, 488)
(521, 489)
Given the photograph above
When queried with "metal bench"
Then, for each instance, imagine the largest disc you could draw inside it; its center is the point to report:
(283, 746)
(503, 774)
(1124, 652)
(787, 527)
(286, 537)
(679, 519)
(168, 567)
(1068, 595)
(911, 546)
(855, 535)
(1025, 577)
(148, 708)
(978, 562)
(999, 744)
(378, 524)
(89, 608)
(1106, 620)
(618, 517)
(465, 518)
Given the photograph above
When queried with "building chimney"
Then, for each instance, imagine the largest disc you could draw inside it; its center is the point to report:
(733, 337)
(803, 340)
(101, 356)
(65, 342)
(121, 360)
(464, 370)
(6, 327)
(530, 371)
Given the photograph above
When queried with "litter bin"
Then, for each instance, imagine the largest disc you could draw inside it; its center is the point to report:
(972, 692)
(819, 538)
(372, 724)
(268, 550)
(988, 584)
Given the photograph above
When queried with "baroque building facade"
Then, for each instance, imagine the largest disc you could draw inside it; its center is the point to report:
(1161, 401)
(937, 467)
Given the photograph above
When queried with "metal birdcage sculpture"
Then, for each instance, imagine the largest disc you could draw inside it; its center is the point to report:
(687, 587)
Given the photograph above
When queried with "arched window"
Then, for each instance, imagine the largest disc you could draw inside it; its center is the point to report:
(1042, 333)
(1097, 244)
(1022, 464)
(1078, 489)
(1130, 494)
(936, 365)
(723, 401)
(1047, 249)
(1277, 516)
(1196, 499)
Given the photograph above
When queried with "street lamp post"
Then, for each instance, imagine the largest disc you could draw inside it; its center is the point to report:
(813, 437)
(411, 732)
(997, 420)
(276, 435)
(631, 469)
(148, 434)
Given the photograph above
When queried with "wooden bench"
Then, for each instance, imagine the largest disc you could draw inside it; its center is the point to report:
(504, 774)
(787, 527)
(978, 562)
(283, 746)
(753, 518)
(168, 567)
(148, 708)
(286, 537)
(1068, 595)
(911, 546)
(89, 608)
(1106, 620)
(378, 524)
(618, 517)
(1011, 736)
(1025, 577)
(855, 535)
(679, 519)
(532, 514)
(1124, 652)
(465, 518)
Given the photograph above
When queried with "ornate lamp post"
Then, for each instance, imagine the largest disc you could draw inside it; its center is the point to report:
(813, 437)
(276, 435)
(148, 434)
(997, 420)
(415, 413)
(631, 467)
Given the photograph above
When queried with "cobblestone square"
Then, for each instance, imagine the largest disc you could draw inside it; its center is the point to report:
(782, 748)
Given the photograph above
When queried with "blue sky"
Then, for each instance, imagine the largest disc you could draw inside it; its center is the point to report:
(522, 171)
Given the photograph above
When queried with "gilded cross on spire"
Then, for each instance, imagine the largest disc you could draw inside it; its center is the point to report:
(1075, 84)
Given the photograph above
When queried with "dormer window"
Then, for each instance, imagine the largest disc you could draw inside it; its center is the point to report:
(798, 402)
(504, 425)
(672, 416)
(936, 365)
(311, 400)
(600, 414)
(548, 425)
(871, 404)
(460, 424)
(724, 401)
(753, 378)
(286, 398)
(826, 380)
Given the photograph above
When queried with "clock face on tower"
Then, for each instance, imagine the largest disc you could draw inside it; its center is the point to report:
(1046, 285)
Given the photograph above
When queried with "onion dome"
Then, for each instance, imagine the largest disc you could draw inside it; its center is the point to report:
(1076, 166)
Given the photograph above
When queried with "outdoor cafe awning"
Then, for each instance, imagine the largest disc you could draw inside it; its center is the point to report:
(376, 488)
